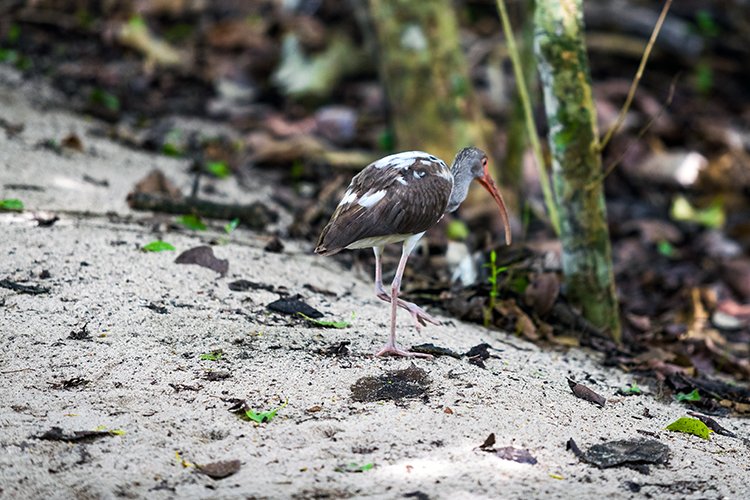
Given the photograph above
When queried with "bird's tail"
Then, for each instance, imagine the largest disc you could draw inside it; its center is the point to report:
(322, 248)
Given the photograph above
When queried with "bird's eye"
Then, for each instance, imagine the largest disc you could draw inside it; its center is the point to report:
(484, 162)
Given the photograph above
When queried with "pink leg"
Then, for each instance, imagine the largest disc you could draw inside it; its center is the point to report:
(421, 318)
(391, 348)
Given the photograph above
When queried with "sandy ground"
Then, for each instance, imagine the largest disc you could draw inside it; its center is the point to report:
(141, 371)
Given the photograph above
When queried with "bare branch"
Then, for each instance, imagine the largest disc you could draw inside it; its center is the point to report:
(634, 84)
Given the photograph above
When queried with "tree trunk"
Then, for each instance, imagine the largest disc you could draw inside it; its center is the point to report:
(423, 69)
(576, 161)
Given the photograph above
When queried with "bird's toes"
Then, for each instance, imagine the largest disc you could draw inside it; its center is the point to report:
(425, 318)
(397, 351)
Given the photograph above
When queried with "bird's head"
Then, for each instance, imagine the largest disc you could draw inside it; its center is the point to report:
(475, 161)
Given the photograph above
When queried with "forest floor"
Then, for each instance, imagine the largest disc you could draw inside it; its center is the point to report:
(144, 358)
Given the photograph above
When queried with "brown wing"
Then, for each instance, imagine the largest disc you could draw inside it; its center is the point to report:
(382, 201)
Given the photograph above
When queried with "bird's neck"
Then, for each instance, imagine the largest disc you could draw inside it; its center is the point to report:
(461, 180)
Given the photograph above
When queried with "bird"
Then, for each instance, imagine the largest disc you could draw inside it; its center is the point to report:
(396, 199)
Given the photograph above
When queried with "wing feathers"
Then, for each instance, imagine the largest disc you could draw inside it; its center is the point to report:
(390, 196)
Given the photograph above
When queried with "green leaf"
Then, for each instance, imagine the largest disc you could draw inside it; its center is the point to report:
(231, 226)
(693, 395)
(23, 63)
(11, 205)
(192, 221)
(9, 56)
(213, 355)
(170, 149)
(157, 246)
(665, 248)
(14, 33)
(690, 426)
(218, 169)
(171, 146)
(104, 98)
(706, 24)
(137, 22)
(326, 323)
(712, 216)
(704, 77)
(457, 230)
(630, 390)
(354, 467)
(264, 416)
(519, 284)
(297, 170)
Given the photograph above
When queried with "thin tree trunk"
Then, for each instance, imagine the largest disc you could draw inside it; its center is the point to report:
(518, 143)
(576, 162)
(425, 74)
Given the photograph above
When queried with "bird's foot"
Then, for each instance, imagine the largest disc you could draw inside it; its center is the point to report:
(420, 316)
(394, 350)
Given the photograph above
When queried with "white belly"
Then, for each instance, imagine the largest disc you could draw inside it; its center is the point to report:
(379, 241)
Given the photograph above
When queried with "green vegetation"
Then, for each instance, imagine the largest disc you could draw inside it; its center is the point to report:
(213, 355)
(103, 98)
(218, 169)
(326, 323)
(354, 467)
(693, 395)
(230, 226)
(712, 216)
(690, 426)
(157, 246)
(264, 416)
(11, 205)
(492, 280)
(193, 222)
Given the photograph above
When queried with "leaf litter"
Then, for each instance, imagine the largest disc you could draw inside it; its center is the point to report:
(583, 392)
(689, 425)
(520, 455)
(294, 306)
(397, 385)
(626, 452)
(58, 434)
(221, 469)
(204, 256)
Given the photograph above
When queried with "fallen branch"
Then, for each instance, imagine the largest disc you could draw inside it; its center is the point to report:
(255, 215)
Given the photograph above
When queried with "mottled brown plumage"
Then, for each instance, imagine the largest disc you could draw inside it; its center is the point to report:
(414, 200)
(398, 198)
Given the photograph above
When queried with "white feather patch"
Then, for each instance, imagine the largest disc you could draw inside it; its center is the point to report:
(369, 199)
(349, 197)
(401, 180)
(403, 160)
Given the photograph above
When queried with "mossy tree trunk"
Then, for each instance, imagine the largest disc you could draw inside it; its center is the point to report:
(425, 74)
(576, 161)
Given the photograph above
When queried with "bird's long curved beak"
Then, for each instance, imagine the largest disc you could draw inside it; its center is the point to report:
(489, 184)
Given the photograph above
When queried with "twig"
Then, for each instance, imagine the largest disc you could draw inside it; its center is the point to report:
(21, 288)
(18, 370)
(536, 146)
(637, 78)
(610, 168)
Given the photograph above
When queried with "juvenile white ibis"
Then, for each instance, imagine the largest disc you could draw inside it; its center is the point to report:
(398, 198)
